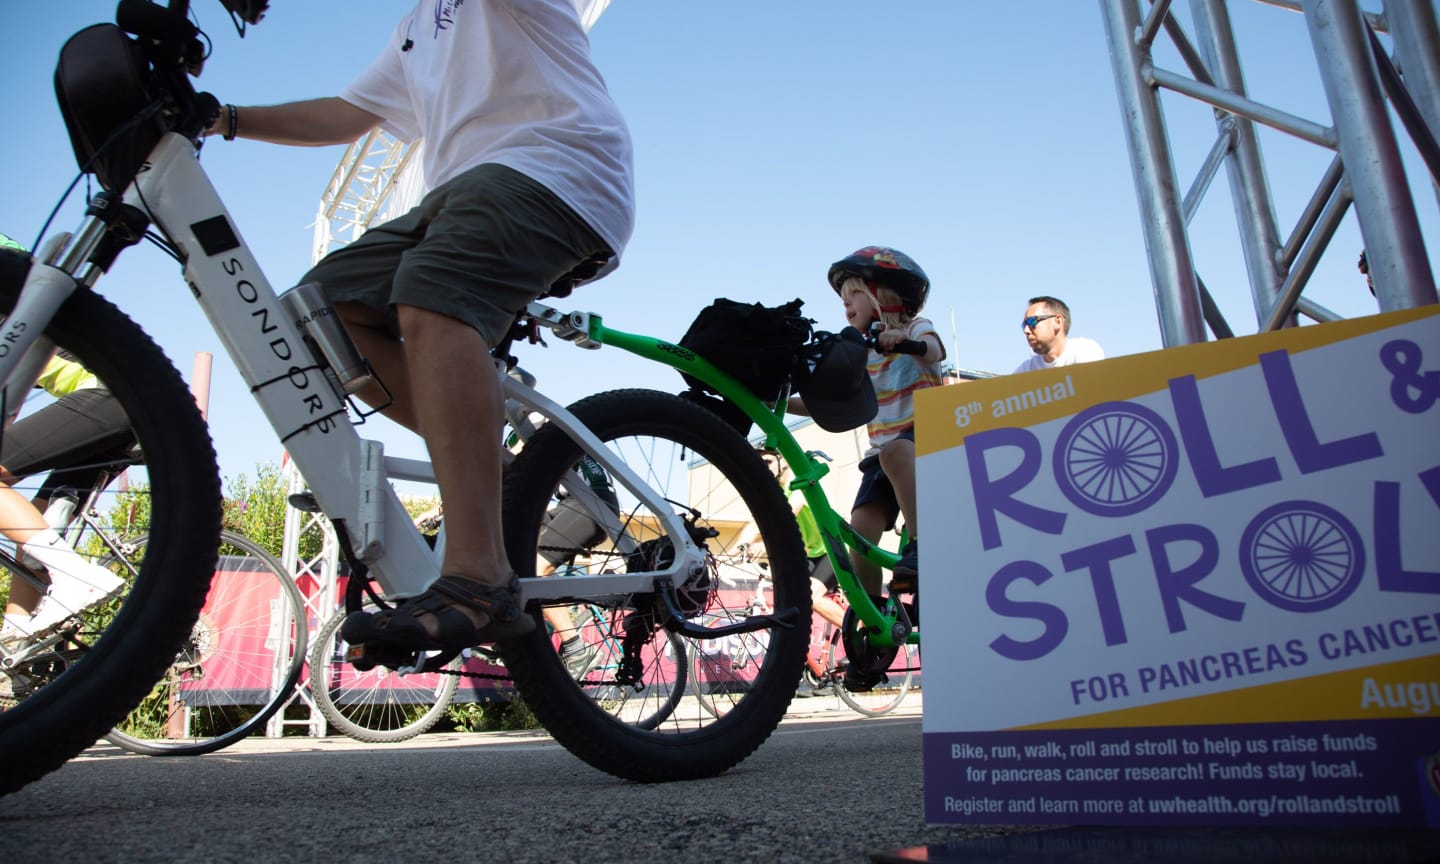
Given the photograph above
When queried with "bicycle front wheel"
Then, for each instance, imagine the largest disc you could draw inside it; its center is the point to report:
(74, 686)
(380, 706)
(239, 665)
(721, 486)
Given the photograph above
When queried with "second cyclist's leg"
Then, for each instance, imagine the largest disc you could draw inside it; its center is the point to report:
(568, 532)
(73, 584)
(822, 587)
(23, 523)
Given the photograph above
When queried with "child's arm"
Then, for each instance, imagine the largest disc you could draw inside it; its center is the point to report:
(934, 349)
(796, 405)
(889, 340)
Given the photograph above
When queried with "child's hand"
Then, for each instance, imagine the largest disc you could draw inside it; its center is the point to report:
(886, 340)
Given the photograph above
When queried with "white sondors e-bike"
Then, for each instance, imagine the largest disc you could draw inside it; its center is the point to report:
(688, 481)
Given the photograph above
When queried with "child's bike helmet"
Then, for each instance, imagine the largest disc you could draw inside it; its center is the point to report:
(884, 266)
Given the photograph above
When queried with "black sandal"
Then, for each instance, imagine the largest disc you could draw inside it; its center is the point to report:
(401, 626)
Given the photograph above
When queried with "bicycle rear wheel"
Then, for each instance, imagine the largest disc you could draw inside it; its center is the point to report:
(718, 482)
(380, 706)
(238, 666)
(107, 657)
(887, 695)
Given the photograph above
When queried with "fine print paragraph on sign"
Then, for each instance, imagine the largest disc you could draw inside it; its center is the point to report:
(1200, 775)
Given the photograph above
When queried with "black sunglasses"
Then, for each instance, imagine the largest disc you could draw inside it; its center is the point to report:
(1034, 320)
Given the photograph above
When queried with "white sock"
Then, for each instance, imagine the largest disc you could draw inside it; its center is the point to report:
(57, 556)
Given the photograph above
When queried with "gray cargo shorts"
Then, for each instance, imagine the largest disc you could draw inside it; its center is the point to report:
(477, 248)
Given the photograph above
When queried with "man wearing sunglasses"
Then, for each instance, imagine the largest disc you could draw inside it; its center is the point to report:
(1047, 328)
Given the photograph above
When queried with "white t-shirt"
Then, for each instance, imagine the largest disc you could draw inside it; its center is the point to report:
(1078, 349)
(509, 82)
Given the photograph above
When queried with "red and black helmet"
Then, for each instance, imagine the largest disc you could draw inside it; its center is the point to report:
(882, 265)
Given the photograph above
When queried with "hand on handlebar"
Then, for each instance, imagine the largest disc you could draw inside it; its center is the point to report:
(893, 341)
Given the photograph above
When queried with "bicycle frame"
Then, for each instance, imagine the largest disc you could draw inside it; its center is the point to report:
(886, 629)
(349, 476)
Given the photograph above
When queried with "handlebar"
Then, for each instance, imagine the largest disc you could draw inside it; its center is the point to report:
(170, 25)
(904, 346)
(148, 21)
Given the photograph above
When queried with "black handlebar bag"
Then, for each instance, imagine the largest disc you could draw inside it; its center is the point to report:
(760, 346)
(835, 382)
(108, 99)
(754, 343)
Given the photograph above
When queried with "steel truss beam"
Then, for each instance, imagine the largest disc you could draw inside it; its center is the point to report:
(1360, 134)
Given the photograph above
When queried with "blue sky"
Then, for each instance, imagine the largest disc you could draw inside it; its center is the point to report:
(983, 139)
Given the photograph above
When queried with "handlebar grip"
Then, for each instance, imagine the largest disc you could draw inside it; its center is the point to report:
(904, 346)
(910, 346)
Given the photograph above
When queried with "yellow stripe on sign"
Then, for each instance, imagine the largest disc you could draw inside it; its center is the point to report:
(1387, 691)
(944, 416)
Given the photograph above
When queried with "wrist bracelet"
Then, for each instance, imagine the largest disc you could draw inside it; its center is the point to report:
(231, 116)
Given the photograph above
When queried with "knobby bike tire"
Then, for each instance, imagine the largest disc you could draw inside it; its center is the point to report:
(241, 646)
(111, 669)
(737, 486)
(377, 706)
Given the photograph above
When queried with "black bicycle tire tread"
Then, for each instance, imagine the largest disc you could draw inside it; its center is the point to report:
(320, 660)
(587, 732)
(200, 747)
(47, 729)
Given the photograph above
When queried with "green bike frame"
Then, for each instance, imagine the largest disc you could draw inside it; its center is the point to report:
(885, 627)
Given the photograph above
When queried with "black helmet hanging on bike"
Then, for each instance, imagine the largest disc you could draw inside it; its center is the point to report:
(891, 268)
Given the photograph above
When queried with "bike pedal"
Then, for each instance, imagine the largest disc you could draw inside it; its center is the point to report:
(365, 657)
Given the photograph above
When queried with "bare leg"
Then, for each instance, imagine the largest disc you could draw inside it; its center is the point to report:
(457, 406)
(557, 616)
(20, 521)
(387, 357)
(870, 522)
(898, 460)
(824, 606)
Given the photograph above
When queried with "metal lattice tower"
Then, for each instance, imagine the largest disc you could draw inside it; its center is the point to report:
(365, 180)
(321, 572)
(1367, 172)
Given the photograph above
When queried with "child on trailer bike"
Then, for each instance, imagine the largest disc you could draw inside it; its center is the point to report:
(880, 285)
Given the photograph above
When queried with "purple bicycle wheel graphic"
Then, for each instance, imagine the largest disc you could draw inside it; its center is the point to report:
(1115, 459)
(1302, 556)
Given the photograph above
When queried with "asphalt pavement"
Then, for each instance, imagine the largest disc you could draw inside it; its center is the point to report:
(829, 785)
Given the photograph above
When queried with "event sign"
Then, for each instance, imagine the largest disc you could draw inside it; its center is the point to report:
(1196, 586)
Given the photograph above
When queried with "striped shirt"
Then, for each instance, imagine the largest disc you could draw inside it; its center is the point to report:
(896, 378)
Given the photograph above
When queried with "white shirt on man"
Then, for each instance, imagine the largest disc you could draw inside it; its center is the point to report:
(1078, 349)
(509, 82)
